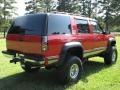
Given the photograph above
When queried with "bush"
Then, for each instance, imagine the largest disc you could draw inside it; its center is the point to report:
(115, 29)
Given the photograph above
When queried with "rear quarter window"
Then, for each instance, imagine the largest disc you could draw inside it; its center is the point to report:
(58, 24)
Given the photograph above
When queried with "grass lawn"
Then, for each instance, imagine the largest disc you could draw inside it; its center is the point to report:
(1, 35)
(96, 76)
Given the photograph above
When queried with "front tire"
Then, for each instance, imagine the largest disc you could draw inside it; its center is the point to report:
(70, 71)
(111, 56)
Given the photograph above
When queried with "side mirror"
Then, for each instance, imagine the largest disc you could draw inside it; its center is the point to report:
(105, 32)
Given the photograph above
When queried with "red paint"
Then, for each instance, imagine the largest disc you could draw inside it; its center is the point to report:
(31, 44)
(73, 26)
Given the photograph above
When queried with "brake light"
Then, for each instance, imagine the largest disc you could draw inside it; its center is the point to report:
(44, 43)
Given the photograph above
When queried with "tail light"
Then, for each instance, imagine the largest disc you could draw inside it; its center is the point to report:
(44, 43)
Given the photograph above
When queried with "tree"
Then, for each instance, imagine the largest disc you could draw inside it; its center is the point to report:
(49, 5)
(110, 9)
(115, 7)
(83, 7)
(7, 10)
(86, 7)
(35, 6)
(69, 6)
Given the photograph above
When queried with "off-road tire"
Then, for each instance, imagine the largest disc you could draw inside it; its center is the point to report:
(111, 56)
(65, 74)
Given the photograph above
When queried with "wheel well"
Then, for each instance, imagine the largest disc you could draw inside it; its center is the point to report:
(76, 51)
(113, 43)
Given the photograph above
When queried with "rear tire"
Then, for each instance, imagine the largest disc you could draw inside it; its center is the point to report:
(70, 71)
(111, 56)
(29, 68)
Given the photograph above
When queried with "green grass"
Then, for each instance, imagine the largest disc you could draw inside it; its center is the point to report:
(1, 34)
(96, 76)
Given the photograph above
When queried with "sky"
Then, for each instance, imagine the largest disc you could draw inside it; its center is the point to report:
(21, 7)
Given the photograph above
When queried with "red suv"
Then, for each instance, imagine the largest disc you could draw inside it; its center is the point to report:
(61, 41)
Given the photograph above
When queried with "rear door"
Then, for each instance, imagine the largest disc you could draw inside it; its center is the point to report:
(84, 34)
(25, 34)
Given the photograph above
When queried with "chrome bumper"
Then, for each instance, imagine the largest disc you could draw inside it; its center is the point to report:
(21, 57)
(8, 54)
(34, 62)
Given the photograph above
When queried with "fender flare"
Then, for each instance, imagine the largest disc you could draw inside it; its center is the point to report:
(68, 46)
(111, 42)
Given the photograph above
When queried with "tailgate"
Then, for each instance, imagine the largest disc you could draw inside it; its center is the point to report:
(25, 33)
(24, 44)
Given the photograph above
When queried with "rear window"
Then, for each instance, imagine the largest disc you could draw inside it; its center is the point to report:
(58, 24)
(30, 24)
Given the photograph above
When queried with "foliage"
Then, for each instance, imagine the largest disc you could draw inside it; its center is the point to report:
(83, 7)
(7, 10)
(34, 6)
(110, 13)
(69, 6)
(115, 6)
(115, 29)
(86, 7)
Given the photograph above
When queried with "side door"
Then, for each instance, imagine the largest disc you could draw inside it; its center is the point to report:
(99, 37)
(85, 36)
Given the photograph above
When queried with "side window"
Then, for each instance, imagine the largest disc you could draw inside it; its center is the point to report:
(96, 27)
(82, 26)
(58, 24)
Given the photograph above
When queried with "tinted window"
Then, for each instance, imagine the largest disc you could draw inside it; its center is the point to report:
(31, 24)
(82, 26)
(58, 24)
(96, 27)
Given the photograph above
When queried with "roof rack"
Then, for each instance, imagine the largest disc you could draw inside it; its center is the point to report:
(58, 12)
(75, 14)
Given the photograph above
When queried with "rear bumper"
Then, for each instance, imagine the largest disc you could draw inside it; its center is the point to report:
(8, 54)
(16, 57)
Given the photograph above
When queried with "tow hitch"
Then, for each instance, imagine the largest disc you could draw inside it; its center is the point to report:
(15, 60)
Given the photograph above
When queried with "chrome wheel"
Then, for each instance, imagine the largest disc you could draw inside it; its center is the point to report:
(74, 71)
